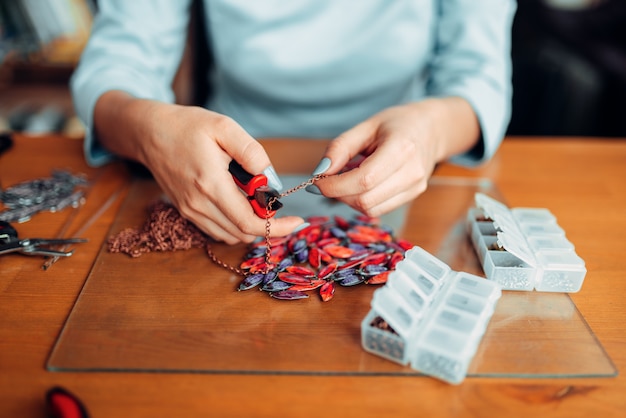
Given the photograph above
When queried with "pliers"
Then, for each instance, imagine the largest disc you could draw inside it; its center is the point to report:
(259, 194)
(11, 243)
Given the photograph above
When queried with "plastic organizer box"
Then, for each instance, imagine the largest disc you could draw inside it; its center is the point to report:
(523, 248)
(429, 316)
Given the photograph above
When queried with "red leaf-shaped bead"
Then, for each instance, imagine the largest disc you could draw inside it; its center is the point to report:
(339, 251)
(327, 291)
(293, 278)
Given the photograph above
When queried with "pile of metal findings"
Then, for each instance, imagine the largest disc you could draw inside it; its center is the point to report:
(54, 193)
(327, 253)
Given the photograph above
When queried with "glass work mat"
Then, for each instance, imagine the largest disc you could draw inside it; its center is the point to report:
(178, 312)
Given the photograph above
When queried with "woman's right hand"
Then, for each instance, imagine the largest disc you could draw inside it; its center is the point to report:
(188, 150)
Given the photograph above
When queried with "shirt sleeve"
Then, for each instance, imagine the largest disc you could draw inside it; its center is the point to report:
(135, 46)
(472, 60)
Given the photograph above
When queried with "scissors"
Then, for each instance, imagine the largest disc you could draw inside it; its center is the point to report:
(11, 243)
(260, 195)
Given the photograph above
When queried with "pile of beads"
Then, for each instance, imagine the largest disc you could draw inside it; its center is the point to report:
(325, 253)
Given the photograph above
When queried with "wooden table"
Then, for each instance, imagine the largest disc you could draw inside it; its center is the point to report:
(582, 181)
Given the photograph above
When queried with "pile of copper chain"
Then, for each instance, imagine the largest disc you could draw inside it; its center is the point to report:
(164, 230)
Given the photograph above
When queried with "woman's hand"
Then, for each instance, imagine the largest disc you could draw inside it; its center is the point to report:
(188, 150)
(401, 146)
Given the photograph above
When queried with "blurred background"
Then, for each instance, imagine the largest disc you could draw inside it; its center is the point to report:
(569, 66)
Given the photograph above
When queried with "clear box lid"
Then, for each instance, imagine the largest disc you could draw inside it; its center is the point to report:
(517, 246)
(555, 243)
(489, 205)
(426, 262)
(395, 310)
(447, 343)
(510, 236)
(404, 286)
(560, 260)
(533, 215)
(478, 286)
(542, 229)
(500, 214)
(410, 289)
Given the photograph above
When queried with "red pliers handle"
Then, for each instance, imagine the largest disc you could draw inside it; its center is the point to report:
(60, 403)
(259, 194)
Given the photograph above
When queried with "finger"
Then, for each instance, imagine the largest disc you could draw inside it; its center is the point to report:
(279, 227)
(247, 151)
(220, 227)
(375, 170)
(393, 203)
(381, 200)
(345, 147)
(220, 234)
(212, 199)
(233, 210)
(210, 219)
(238, 212)
(229, 208)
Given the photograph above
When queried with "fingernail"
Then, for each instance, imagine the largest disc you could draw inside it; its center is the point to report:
(322, 166)
(272, 179)
(301, 227)
(312, 188)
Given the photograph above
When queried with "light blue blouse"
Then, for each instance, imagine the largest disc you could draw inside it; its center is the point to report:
(307, 68)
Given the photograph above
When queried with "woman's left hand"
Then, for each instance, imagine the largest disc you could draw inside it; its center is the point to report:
(401, 146)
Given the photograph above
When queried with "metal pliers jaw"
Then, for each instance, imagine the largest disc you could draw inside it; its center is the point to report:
(10, 243)
(256, 189)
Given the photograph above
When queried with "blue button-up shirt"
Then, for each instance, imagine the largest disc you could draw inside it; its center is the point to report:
(307, 68)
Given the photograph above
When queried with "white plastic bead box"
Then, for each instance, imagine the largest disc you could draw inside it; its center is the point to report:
(524, 248)
(429, 316)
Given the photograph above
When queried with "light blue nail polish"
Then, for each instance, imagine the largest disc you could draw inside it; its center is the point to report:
(272, 179)
(312, 188)
(301, 227)
(322, 166)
